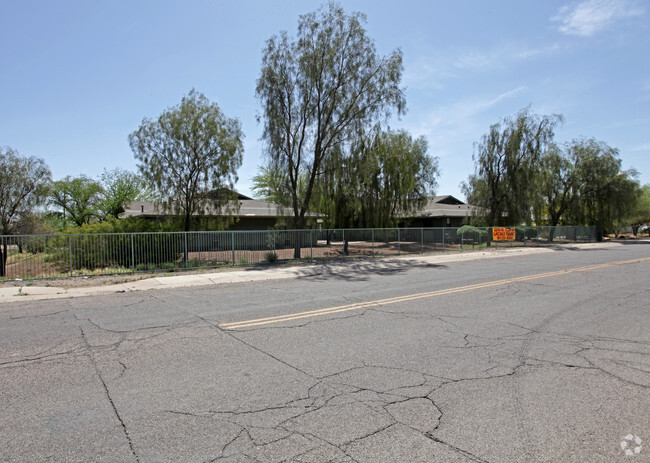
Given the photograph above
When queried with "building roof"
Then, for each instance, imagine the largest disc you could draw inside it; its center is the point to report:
(444, 206)
(438, 206)
(259, 208)
(247, 208)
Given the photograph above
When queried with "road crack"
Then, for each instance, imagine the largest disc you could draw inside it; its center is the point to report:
(108, 395)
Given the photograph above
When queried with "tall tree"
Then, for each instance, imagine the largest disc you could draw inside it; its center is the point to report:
(641, 214)
(385, 175)
(190, 155)
(78, 198)
(556, 186)
(606, 195)
(270, 185)
(121, 187)
(320, 89)
(23, 183)
(35, 223)
(506, 162)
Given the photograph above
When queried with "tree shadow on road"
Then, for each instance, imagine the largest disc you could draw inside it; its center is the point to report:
(568, 247)
(633, 242)
(360, 270)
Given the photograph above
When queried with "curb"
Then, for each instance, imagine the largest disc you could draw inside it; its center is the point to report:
(37, 293)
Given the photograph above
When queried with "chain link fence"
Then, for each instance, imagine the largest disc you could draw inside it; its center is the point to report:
(59, 256)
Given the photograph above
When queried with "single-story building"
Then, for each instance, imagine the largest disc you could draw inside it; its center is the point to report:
(253, 214)
(440, 211)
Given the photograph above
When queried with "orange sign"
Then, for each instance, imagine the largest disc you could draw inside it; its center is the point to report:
(503, 234)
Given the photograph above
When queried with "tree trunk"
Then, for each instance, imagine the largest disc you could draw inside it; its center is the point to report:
(297, 242)
(186, 228)
(551, 234)
(297, 245)
(3, 258)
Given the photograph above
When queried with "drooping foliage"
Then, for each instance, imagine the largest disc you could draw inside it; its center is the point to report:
(604, 194)
(556, 187)
(23, 184)
(641, 214)
(507, 161)
(385, 176)
(77, 198)
(318, 91)
(523, 176)
(190, 155)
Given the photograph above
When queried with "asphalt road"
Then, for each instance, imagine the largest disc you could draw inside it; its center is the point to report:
(526, 358)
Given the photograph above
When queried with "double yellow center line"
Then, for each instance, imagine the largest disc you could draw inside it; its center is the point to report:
(413, 297)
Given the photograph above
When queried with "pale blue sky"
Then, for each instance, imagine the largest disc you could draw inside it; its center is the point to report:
(78, 76)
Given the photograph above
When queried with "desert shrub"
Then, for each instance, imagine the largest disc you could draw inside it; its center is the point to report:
(145, 267)
(126, 225)
(480, 235)
(131, 242)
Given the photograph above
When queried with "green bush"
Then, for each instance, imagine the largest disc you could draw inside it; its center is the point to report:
(271, 257)
(130, 242)
(145, 267)
(480, 235)
(32, 244)
(126, 225)
(525, 233)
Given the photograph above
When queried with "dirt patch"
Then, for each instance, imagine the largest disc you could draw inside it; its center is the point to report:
(103, 280)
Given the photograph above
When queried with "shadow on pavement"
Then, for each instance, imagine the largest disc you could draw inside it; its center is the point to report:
(632, 242)
(568, 247)
(359, 270)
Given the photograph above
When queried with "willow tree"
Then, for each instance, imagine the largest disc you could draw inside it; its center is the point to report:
(190, 156)
(606, 195)
(582, 182)
(383, 177)
(556, 187)
(23, 184)
(641, 214)
(317, 91)
(507, 163)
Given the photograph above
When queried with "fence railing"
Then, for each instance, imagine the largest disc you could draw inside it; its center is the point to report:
(55, 256)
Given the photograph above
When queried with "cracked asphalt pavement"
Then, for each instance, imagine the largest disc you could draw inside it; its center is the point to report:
(541, 357)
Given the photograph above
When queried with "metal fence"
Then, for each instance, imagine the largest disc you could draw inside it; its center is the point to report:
(57, 256)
